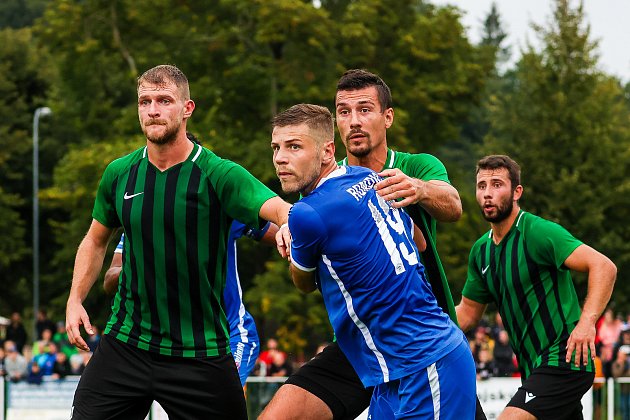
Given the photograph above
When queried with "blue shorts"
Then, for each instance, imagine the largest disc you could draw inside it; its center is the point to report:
(446, 390)
(245, 354)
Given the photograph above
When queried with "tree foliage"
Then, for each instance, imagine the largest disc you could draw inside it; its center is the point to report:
(560, 117)
(568, 126)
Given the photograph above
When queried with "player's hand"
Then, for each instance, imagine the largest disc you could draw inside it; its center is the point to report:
(76, 316)
(283, 241)
(580, 341)
(397, 185)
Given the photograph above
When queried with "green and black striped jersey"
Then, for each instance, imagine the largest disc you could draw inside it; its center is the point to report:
(427, 168)
(525, 277)
(176, 225)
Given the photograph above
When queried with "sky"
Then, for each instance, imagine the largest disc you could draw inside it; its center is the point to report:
(609, 20)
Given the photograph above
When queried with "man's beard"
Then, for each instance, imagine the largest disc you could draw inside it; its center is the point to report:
(167, 137)
(361, 150)
(299, 185)
(503, 211)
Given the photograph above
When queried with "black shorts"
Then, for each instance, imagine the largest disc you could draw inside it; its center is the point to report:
(121, 382)
(331, 378)
(553, 393)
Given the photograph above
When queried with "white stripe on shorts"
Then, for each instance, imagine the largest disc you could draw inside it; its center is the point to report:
(434, 383)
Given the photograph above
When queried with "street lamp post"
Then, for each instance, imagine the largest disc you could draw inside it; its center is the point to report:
(39, 112)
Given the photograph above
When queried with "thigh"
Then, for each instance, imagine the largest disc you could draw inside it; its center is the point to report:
(552, 393)
(329, 376)
(199, 388)
(115, 384)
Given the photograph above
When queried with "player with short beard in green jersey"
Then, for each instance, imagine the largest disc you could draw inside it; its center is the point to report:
(522, 265)
(168, 337)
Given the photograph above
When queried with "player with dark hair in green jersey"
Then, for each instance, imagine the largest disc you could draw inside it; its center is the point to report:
(168, 337)
(522, 265)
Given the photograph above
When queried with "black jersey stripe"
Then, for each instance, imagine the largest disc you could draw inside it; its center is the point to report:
(562, 346)
(149, 257)
(214, 277)
(192, 256)
(549, 329)
(130, 283)
(170, 251)
(521, 305)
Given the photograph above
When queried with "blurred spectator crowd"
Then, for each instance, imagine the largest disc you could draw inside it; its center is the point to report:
(49, 357)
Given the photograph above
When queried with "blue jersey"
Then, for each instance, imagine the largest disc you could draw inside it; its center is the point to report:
(240, 321)
(384, 314)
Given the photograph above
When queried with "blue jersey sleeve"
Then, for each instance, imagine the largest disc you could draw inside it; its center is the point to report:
(308, 233)
(121, 243)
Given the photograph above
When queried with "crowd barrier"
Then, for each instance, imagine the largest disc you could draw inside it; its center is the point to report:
(52, 400)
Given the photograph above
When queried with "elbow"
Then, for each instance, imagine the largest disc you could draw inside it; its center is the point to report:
(453, 213)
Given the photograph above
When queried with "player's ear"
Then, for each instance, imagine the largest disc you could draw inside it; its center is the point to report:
(328, 150)
(189, 107)
(389, 117)
(518, 192)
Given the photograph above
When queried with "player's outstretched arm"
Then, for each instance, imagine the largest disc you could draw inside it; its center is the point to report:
(602, 274)
(87, 267)
(439, 198)
(469, 313)
(275, 210)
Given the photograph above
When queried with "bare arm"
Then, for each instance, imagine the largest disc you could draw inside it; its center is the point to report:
(601, 279)
(110, 283)
(469, 313)
(276, 210)
(419, 239)
(303, 280)
(439, 198)
(87, 267)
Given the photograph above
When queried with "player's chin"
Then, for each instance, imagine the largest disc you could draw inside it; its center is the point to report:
(289, 187)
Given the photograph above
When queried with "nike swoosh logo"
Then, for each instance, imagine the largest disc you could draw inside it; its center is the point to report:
(483, 270)
(127, 196)
(528, 397)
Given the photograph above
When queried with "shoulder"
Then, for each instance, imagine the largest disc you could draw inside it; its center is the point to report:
(123, 163)
(421, 165)
(483, 239)
(210, 162)
(538, 226)
(418, 159)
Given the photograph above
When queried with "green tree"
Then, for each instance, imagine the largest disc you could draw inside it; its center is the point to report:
(568, 126)
(23, 88)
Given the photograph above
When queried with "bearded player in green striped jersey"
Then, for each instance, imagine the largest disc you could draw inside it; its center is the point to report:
(522, 265)
(168, 337)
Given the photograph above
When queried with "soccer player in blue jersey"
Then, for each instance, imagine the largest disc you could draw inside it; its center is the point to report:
(357, 249)
(244, 341)
(327, 387)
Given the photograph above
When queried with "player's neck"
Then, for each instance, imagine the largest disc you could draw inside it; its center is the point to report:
(499, 230)
(375, 160)
(326, 170)
(164, 156)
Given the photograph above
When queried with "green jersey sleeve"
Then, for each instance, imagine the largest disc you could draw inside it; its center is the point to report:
(423, 166)
(104, 206)
(242, 194)
(547, 242)
(476, 287)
